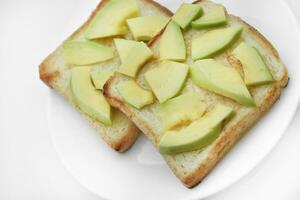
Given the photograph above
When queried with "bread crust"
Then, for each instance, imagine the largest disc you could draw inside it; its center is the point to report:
(49, 75)
(230, 136)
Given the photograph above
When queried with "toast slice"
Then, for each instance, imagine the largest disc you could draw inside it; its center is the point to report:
(53, 72)
(192, 167)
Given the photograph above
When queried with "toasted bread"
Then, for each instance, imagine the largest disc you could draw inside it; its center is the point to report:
(53, 72)
(192, 167)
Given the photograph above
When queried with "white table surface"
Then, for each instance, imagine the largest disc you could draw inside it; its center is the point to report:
(29, 165)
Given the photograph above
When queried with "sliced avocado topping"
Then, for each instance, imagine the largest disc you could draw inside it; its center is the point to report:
(172, 45)
(226, 81)
(214, 42)
(181, 110)
(186, 14)
(99, 78)
(85, 53)
(256, 71)
(87, 98)
(167, 79)
(198, 134)
(133, 56)
(135, 95)
(216, 17)
(146, 27)
(111, 19)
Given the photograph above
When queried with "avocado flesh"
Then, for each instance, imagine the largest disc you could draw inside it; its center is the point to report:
(186, 14)
(255, 70)
(111, 19)
(198, 134)
(134, 95)
(99, 78)
(146, 27)
(181, 110)
(133, 55)
(85, 53)
(172, 45)
(216, 17)
(226, 81)
(136, 58)
(167, 79)
(214, 42)
(87, 98)
(124, 47)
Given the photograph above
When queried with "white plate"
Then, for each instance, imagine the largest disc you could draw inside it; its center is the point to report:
(141, 173)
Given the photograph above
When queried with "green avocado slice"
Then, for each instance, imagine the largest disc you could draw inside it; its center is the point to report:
(111, 19)
(214, 42)
(146, 27)
(181, 110)
(172, 45)
(255, 69)
(87, 98)
(134, 95)
(133, 56)
(226, 81)
(167, 79)
(85, 52)
(214, 18)
(186, 14)
(198, 134)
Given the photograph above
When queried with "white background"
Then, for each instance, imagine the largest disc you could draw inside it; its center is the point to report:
(29, 166)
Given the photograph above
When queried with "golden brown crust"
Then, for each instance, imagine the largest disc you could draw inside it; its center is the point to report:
(230, 136)
(128, 140)
(45, 74)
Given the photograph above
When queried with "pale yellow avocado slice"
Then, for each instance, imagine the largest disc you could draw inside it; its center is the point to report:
(135, 95)
(181, 110)
(215, 17)
(87, 98)
(111, 19)
(198, 134)
(146, 27)
(214, 42)
(167, 79)
(186, 14)
(99, 78)
(256, 71)
(133, 56)
(124, 47)
(226, 81)
(85, 52)
(172, 45)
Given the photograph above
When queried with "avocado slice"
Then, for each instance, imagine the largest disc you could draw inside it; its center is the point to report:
(85, 53)
(172, 45)
(198, 134)
(216, 17)
(256, 71)
(214, 42)
(186, 14)
(87, 98)
(134, 95)
(167, 79)
(99, 78)
(146, 27)
(181, 110)
(111, 19)
(226, 81)
(133, 56)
